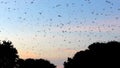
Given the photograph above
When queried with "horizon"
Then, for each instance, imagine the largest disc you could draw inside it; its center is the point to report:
(40, 28)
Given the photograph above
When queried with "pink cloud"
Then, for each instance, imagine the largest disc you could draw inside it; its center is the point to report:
(25, 54)
(60, 66)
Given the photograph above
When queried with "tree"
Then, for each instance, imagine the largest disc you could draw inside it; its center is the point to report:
(35, 63)
(8, 55)
(101, 55)
(42, 63)
(20, 63)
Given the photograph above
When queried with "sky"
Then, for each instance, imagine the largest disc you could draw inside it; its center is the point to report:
(57, 29)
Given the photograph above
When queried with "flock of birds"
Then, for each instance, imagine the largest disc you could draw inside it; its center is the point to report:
(73, 32)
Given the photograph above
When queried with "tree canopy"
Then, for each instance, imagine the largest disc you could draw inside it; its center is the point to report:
(9, 58)
(35, 63)
(8, 55)
(97, 55)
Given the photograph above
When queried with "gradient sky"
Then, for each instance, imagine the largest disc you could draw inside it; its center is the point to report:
(57, 29)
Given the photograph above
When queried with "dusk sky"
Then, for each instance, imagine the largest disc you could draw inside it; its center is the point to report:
(57, 29)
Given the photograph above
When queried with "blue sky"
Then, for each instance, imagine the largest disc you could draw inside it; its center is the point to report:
(40, 28)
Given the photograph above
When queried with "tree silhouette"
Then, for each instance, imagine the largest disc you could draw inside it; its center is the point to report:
(97, 55)
(10, 59)
(8, 55)
(20, 63)
(35, 63)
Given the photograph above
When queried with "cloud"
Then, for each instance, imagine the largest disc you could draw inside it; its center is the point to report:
(25, 54)
(68, 50)
(84, 28)
(60, 66)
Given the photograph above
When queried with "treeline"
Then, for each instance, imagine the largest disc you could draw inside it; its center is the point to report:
(9, 58)
(97, 55)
